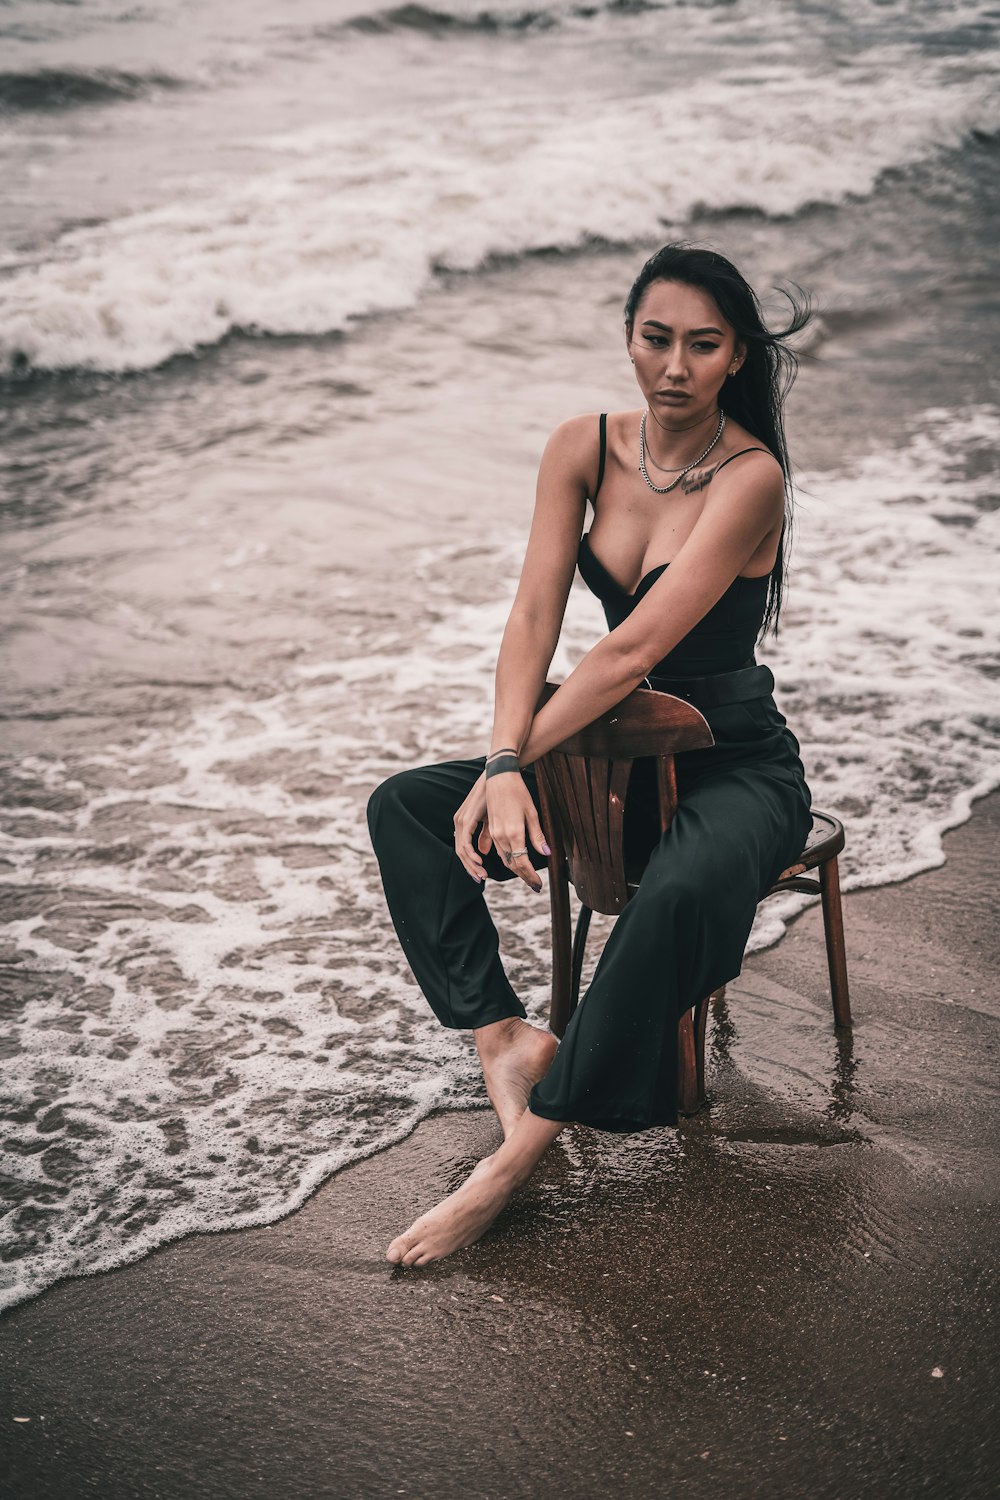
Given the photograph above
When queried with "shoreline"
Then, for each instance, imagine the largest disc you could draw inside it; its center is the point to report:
(796, 1356)
(323, 1175)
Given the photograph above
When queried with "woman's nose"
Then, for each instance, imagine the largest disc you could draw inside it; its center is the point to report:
(675, 364)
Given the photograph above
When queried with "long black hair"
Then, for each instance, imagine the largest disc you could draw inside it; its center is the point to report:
(755, 395)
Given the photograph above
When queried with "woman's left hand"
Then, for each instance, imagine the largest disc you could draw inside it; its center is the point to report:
(513, 823)
(470, 816)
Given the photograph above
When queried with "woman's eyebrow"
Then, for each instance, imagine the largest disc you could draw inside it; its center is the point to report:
(652, 323)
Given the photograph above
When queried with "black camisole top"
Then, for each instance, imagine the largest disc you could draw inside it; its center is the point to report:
(723, 639)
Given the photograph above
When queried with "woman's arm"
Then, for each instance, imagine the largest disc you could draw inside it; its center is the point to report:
(532, 630)
(566, 475)
(743, 509)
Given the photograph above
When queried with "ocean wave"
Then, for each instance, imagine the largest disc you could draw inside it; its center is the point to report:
(960, 26)
(431, 21)
(50, 90)
(361, 220)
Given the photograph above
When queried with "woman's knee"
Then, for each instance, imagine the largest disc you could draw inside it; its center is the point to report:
(683, 881)
(390, 798)
(671, 891)
(423, 798)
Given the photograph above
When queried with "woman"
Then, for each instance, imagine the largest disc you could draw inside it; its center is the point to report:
(691, 499)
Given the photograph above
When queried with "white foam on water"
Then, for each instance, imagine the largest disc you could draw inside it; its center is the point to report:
(889, 654)
(358, 217)
(227, 1022)
(218, 1015)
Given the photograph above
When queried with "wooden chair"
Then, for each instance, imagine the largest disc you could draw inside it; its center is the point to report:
(582, 786)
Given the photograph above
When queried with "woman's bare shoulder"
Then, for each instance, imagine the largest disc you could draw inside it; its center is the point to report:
(737, 440)
(576, 432)
(573, 448)
(578, 439)
(753, 485)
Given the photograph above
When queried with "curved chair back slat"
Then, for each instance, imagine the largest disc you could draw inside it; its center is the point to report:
(643, 724)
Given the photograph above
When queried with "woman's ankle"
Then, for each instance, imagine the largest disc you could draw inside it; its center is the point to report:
(497, 1035)
(515, 1161)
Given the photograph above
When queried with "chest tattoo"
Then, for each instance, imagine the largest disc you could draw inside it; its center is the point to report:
(692, 483)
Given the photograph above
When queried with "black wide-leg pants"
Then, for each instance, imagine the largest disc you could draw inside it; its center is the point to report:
(743, 817)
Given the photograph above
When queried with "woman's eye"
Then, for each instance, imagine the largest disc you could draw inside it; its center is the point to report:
(657, 341)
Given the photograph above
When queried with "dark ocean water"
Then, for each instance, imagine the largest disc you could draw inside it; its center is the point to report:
(288, 305)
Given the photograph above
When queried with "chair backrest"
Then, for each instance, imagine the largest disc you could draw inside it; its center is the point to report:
(582, 785)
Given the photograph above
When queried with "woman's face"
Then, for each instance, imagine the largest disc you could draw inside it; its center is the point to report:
(683, 349)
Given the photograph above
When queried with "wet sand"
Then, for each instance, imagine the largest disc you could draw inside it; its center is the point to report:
(793, 1296)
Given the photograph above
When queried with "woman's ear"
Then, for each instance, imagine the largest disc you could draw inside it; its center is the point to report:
(739, 355)
(628, 342)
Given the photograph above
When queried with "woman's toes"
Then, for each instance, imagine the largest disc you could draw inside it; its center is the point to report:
(406, 1247)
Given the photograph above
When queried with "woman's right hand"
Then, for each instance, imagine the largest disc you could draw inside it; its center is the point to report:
(513, 825)
(468, 818)
(514, 811)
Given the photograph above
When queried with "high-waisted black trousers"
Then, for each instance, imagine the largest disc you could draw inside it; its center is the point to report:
(743, 817)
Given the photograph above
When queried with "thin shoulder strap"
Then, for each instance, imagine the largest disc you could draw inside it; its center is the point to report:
(604, 455)
(740, 455)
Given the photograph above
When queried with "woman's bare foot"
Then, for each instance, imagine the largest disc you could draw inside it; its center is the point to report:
(514, 1056)
(461, 1218)
(457, 1220)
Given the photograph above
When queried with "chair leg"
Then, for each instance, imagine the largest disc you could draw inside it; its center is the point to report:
(688, 1100)
(691, 1056)
(700, 1022)
(833, 928)
(561, 1006)
(579, 945)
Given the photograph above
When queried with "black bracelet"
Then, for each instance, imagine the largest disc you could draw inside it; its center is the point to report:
(507, 750)
(501, 765)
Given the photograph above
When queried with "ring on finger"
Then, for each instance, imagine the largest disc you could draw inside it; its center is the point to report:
(513, 854)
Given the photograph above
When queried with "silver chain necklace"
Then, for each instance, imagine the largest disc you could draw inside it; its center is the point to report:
(690, 428)
(664, 489)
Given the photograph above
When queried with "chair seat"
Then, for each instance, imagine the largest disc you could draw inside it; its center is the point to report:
(826, 837)
(825, 841)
